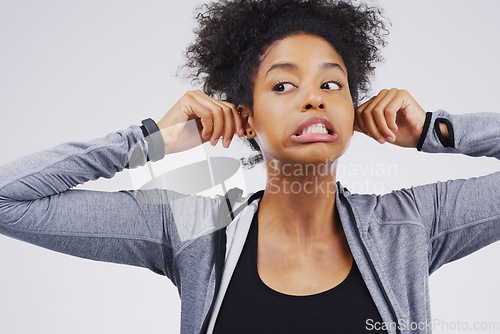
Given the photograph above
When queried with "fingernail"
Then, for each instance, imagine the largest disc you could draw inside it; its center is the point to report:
(381, 140)
(390, 139)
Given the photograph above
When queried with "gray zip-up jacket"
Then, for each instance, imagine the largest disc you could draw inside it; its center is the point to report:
(397, 239)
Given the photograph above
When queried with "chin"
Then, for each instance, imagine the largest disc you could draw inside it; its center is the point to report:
(317, 158)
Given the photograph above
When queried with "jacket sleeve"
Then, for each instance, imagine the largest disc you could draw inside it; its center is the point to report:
(139, 228)
(460, 216)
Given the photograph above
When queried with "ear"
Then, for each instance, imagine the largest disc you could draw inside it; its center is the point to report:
(247, 119)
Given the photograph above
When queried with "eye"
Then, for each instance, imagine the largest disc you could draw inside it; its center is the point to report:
(331, 85)
(282, 87)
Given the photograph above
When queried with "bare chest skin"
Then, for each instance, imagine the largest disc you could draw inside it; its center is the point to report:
(302, 270)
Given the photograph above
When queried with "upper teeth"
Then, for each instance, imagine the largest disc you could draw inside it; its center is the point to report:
(315, 128)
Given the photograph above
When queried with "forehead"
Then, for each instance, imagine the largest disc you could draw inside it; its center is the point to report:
(300, 49)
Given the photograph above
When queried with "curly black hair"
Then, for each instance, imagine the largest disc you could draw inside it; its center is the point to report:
(234, 34)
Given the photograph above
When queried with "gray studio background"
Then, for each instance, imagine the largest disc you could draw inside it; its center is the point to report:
(76, 70)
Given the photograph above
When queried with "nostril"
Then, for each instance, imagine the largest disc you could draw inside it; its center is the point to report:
(321, 106)
(309, 106)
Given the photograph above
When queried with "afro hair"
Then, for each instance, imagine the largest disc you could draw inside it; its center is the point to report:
(233, 35)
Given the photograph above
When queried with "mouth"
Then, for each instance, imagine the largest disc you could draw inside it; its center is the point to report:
(315, 129)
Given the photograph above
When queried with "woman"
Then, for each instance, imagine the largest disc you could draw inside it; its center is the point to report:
(316, 84)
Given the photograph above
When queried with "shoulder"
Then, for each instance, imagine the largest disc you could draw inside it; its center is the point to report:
(396, 207)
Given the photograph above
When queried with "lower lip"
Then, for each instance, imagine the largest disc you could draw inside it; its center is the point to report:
(314, 137)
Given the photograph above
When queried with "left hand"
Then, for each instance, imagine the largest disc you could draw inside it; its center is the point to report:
(393, 116)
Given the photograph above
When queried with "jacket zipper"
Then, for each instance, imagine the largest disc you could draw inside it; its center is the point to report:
(372, 266)
(220, 248)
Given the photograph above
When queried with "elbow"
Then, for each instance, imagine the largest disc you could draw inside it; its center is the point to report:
(11, 211)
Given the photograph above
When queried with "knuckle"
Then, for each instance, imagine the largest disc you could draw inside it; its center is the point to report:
(206, 122)
(365, 115)
(217, 110)
(365, 111)
(206, 117)
(378, 110)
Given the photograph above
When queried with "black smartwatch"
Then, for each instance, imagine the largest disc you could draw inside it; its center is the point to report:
(154, 140)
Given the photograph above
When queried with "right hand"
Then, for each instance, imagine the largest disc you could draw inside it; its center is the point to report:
(197, 118)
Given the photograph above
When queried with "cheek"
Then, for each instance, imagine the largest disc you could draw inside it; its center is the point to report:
(347, 122)
(348, 114)
(269, 114)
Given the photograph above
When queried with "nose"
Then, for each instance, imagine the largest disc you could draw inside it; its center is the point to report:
(313, 100)
(311, 106)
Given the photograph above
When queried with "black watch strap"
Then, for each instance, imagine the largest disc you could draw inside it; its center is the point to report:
(427, 123)
(154, 140)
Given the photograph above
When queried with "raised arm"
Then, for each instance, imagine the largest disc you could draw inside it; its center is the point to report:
(140, 228)
(459, 216)
(38, 206)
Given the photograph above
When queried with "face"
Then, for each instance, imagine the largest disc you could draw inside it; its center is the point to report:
(299, 77)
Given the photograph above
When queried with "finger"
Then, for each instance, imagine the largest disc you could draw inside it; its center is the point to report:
(192, 107)
(216, 111)
(226, 114)
(229, 123)
(401, 103)
(391, 109)
(238, 121)
(356, 127)
(367, 116)
(359, 124)
(371, 128)
(382, 115)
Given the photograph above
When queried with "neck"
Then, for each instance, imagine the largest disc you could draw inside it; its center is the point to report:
(299, 202)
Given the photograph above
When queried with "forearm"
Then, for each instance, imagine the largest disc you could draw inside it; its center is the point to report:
(474, 134)
(444, 131)
(37, 204)
(56, 170)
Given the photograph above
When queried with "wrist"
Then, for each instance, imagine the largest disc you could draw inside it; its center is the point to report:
(425, 129)
(154, 140)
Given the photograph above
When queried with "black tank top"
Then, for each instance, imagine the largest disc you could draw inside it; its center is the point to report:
(250, 306)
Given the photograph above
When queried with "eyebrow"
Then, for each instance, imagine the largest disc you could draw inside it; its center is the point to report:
(290, 66)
